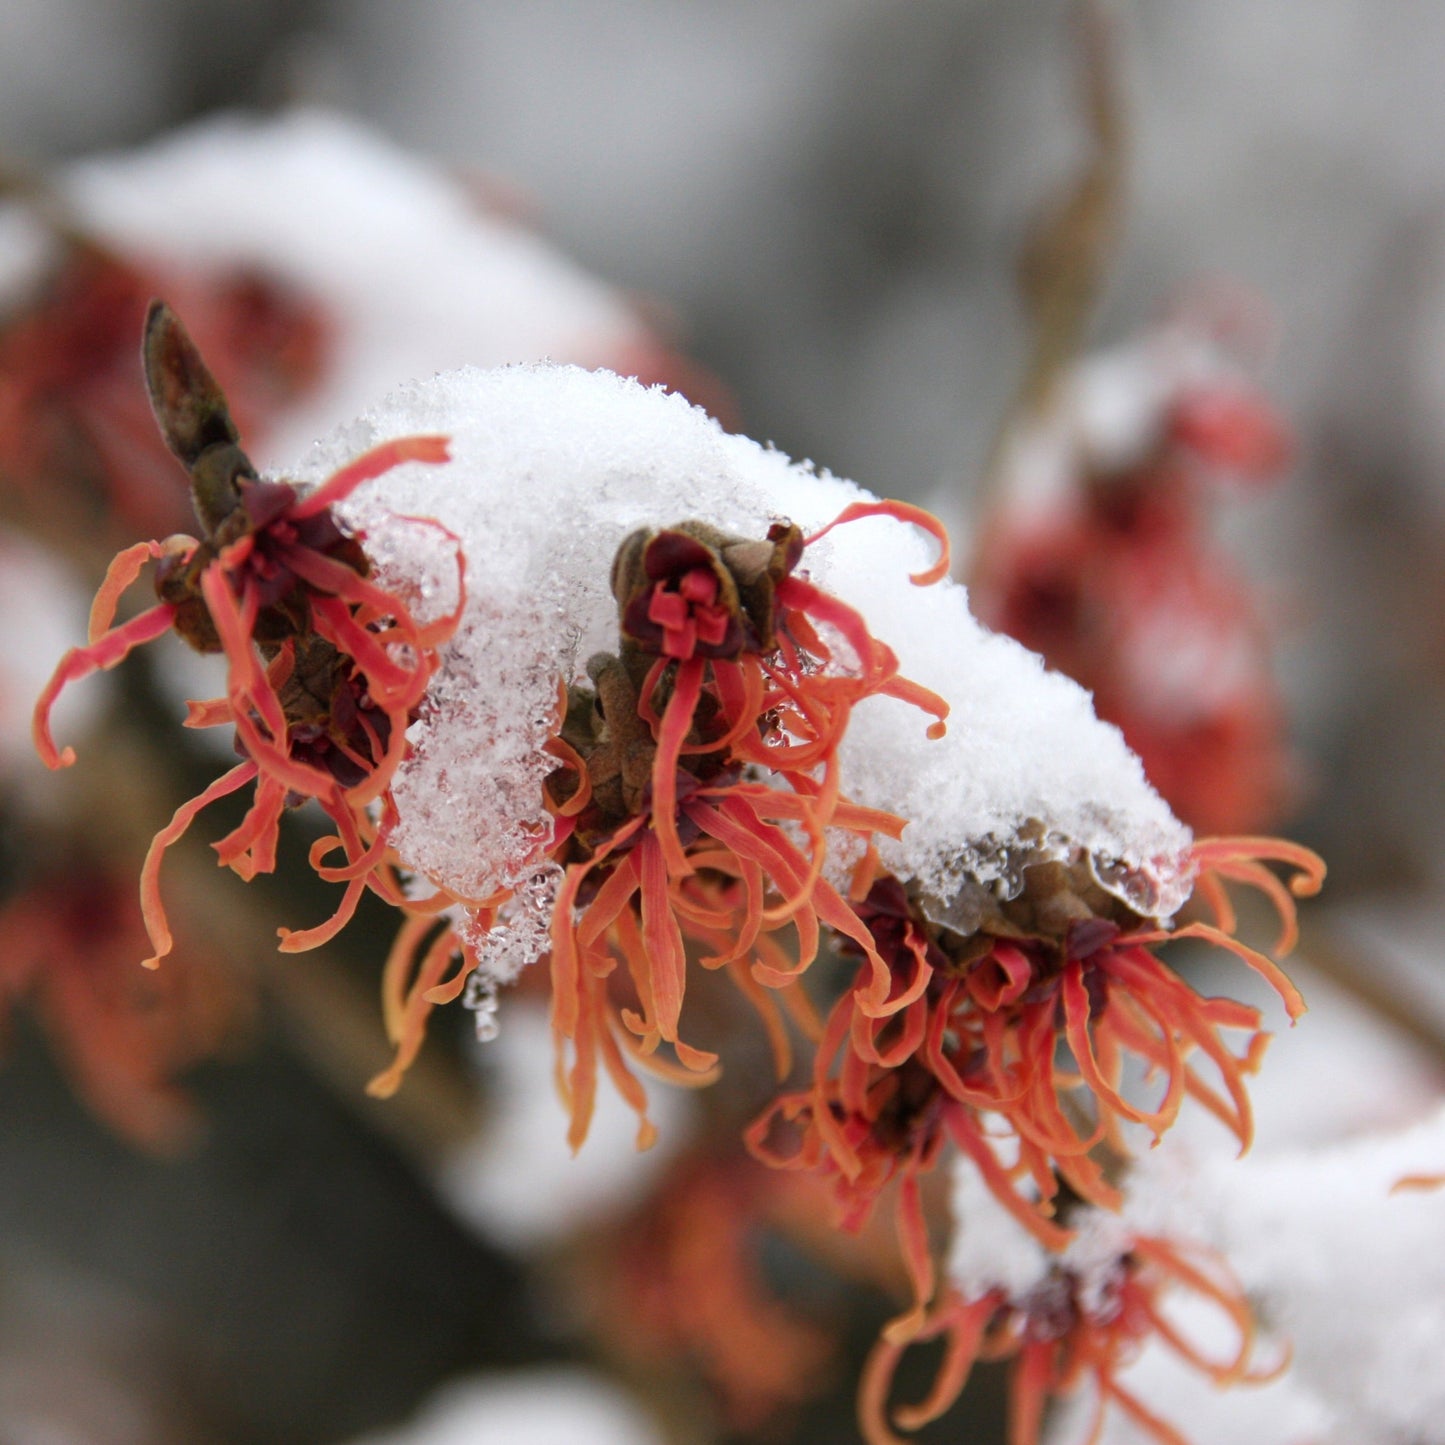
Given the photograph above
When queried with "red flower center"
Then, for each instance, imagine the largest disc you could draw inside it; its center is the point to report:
(688, 612)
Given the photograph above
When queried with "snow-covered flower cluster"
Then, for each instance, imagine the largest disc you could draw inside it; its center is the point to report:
(315, 264)
(575, 673)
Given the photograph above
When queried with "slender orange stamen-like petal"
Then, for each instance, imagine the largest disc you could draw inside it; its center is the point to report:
(566, 971)
(1130, 1404)
(258, 829)
(301, 940)
(901, 512)
(666, 956)
(400, 962)
(1077, 1009)
(1242, 860)
(965, 1325)
(104, 653)
(409, 1010)
(124, 568)
(917, 1258)
(629, 1086)
(873, 1389)
(1049, 1234)
(1029, 1391)
(212, 713)
(676, 721)
(294, 940)
(370, 465)
(1267, 969)
(1230, 1299)
(362, 857)
(152, 909)
(392, 684)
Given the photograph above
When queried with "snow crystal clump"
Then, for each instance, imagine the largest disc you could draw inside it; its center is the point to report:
(552, 467)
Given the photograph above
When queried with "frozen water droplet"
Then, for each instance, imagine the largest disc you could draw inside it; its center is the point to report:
(481, 998)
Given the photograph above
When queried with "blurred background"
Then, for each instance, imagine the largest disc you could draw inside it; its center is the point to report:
(809, 217)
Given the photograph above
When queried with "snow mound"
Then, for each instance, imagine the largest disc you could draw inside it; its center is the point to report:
(551, 468)
(400, 254)
(1340, 1248)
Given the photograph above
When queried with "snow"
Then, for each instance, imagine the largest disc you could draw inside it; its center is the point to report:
(543, 1407)
(1339, 1262)
(551, 468)
(517, 1182)
(411, 272)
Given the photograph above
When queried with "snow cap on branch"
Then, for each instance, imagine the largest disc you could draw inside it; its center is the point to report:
(409, 268)
(552, 467)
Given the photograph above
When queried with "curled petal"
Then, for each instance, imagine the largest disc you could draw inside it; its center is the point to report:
(370, 465)
(107, 651)
(901, 512)
(152, 909)
(405, 1008)
(124, 568)
(1267, 969)
(357, 872)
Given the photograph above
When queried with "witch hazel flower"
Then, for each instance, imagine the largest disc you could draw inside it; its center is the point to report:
(682, 1286)
(325, 670)
(122, 1038)
(1025, 1027)
(1070, 1322)
(689, 714)
(1098, 555)
(674, 820)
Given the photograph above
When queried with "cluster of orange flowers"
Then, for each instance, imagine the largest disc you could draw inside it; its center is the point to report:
(1068, 1330)
(325, 670)
(696, 793)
